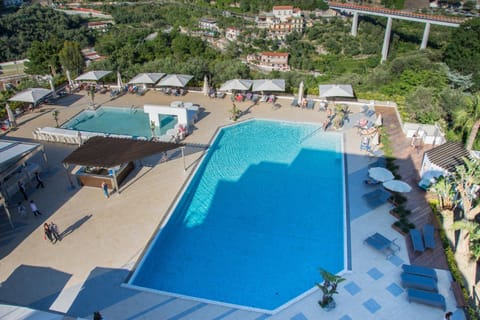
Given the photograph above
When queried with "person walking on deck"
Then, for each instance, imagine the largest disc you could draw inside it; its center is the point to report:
(47, 232)
(34, 209)
(54, 231)
(39, 180)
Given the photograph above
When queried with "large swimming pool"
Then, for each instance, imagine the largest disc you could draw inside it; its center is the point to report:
(263, 212)
(122, 121)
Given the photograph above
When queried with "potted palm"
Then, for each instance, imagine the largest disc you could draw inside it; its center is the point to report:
(329, 288)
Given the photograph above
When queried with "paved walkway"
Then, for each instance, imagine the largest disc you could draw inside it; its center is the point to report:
(103, 238)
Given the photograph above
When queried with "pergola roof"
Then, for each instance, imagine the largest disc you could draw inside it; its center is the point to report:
(108, 152)
(448, 155)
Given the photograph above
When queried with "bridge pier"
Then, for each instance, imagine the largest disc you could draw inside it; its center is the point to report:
(354, 24)
(386, 40)
(426, 32)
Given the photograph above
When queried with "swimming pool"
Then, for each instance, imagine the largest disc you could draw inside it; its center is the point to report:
(123, 121)
(263, 212)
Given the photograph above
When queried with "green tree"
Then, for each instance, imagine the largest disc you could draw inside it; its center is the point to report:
(472, 237)
(467, 119)
(71, 57)
(463, 50)
(43, 58)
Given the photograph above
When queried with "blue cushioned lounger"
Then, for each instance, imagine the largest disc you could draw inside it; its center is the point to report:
(379, 242)
(420, 271)
(425, 297)
(418, 282)
(417, 240)
(428, 236)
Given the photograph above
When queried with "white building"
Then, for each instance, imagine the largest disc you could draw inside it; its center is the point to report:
(232, 34)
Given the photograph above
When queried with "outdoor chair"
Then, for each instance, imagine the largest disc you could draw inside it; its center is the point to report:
(255, 98)
(294, 102)
(428, 236)
(220, 95)
(426, 297)
(420, 271)
(417, 240)
(418, 282)
(264, 98)
(310, 104)
(377, 197)
(382, 244)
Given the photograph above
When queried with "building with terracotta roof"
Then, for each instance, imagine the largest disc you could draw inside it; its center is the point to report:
(270, 61)
(282, 21)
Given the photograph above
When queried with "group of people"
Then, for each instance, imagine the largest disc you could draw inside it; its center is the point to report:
(51, 232)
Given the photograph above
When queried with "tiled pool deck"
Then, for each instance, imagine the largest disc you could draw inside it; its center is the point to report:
(104, 239)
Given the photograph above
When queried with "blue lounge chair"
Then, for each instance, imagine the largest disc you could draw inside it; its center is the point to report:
(428, 236)
(382, 244)
(377, 197)
(310, 104)
(417, 240)
(294, 102)
(418, 282)
(420, 271)
(426, 297)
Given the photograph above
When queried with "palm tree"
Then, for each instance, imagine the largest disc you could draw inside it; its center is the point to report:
(469, 118)
(466, 177)
(472, 236)
(443, 188)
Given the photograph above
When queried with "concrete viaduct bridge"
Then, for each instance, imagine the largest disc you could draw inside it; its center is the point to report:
(391, 14)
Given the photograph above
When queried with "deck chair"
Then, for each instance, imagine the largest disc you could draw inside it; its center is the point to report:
(418, 282)
(417, 240)
(382, 244)
(377, 197)
(426, 297)
(428, 236)
(310, 104)
(294, 102)
(420, 271)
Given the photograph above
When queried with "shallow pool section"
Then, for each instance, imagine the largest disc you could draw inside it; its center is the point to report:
(122, 121)
(263, 212)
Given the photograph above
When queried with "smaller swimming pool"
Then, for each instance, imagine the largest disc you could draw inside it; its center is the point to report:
(118, 120)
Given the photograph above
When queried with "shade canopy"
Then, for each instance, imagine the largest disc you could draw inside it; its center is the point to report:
(93, 75)
(32, 95)
(174, 80)
(269, 85)
(236, 84)
(147, 78)
(336, 90)
(108, 152)
(397, 186)
(380, 174)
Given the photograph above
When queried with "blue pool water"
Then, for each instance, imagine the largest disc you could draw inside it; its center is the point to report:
(262, 214)
(124, 121)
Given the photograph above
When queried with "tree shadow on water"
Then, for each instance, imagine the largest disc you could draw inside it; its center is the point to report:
(75, 226)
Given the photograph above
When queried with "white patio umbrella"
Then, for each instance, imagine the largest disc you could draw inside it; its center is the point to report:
(147, 78)
(336, 90)
(32, 95)
(397, 186)
(54, 93)
(119, 80)
(236, 84)
(175, 80)
(205, 85)
(269, 85)
(380, 174)
(300, 92)
(378, 121)
(11, 116)
(93, 75)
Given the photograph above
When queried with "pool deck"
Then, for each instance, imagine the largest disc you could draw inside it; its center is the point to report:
(104, 238)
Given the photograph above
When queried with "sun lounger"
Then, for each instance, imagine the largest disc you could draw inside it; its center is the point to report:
(294, 102)
(377, 197)
(425, 297)
(417, 240)
(310, 104)
(418, 282)
(428, 236)
(420, 271)
(264, 98)
(382, 244)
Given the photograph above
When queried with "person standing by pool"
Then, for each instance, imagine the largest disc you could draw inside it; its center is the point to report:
(34, 209)
(22, 211)
(105, 189)
(54, 231)
(22, 189)
(47, 232)
(39, 180)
